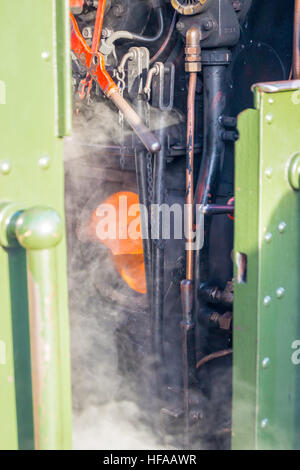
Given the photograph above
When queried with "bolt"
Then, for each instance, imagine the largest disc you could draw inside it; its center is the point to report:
(266, 362)
(267, 301)
(269, 118)
(106, 32)
(180, 26)
(268, 237)
(269, 172)
(208, 25)
(44, 162)
(5, 167)
(264, 423)
(280, 292)
(87, 33)
(271, 100)
(45, 55)
(282, 227)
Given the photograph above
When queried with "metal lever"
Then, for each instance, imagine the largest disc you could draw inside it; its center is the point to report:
(39, 230)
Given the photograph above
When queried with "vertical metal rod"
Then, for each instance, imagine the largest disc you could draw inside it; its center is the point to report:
(214, 90)
(188, 350)
(214, 83)
(142, 179)
(158, 247)
(141, 168)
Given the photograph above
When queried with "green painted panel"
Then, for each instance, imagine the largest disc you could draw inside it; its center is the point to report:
(268, 304)
(245, 306)
(35, 109)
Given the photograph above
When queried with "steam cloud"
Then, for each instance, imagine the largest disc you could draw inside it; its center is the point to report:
(106, 414)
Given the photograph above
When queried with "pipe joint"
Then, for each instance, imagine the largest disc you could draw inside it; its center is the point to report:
(193, 50)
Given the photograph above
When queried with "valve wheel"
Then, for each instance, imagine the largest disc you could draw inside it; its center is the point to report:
(190, 7)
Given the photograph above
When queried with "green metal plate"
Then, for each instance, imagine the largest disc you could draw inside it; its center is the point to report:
(35, 112)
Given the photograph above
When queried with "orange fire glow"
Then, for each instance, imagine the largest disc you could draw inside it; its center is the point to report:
(127, 252)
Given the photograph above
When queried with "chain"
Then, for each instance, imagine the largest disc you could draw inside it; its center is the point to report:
(120, 75)
(150, 177)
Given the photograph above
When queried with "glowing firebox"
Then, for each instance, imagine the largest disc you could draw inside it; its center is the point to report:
(116, 223)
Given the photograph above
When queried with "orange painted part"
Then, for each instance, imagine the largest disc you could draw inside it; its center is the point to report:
(76, 5)
(98, 25)
(87, 83)
(94, 62)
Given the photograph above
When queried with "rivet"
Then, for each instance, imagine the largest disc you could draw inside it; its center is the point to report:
(269, 118)
(267, 301)
(269, 172)
(5, 167)
(268, 237)
(271, 100)
(280, 292)
(45, 55)
(44, 162)
(266, 362)
(282, 227)
(264, 423)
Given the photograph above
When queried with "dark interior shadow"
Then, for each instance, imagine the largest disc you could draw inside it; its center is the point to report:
(21, 346)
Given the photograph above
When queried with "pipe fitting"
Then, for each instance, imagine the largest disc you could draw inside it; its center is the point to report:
(193, 50)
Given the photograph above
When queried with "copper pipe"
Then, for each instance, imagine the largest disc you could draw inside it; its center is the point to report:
(166, 41)
(211, 357)
(193, 65)
(296, 58)
(190, 174)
